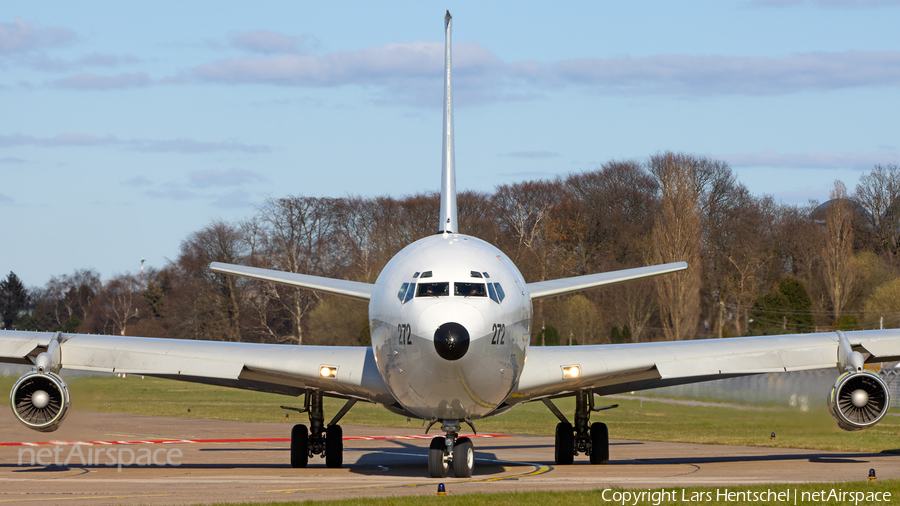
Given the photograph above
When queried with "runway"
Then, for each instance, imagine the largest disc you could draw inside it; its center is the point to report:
(215, 461)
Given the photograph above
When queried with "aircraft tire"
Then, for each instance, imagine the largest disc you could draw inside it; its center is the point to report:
(299, 446)
(437, 466)
(599, 444)
(463, 458)
(334, 446)
(565, 444)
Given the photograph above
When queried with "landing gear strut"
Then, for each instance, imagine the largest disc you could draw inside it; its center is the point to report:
(326, 441)
(591, 439)
(451, 449)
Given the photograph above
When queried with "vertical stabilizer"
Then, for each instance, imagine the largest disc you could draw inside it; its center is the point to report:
(448, 163)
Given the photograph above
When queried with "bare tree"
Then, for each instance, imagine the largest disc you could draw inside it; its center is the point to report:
(207, 305)
(878, 192)
(302, 237)
(837, 255)
(119, 301)
(676, 237)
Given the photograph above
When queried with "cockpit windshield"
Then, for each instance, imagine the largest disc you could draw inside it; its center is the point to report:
(469, 289)
(433, 290)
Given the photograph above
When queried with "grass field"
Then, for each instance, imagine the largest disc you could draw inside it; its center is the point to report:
(648, 421)
(861, 492)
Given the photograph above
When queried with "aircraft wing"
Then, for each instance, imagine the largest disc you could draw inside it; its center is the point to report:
(283, 369)
(343, 287)
(612, 369)
(556, 287)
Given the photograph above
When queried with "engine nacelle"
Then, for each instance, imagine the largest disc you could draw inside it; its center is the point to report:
(40, 400)
(858, 400)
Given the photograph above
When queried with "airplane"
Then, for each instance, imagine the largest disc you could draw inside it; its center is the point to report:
(451, 319)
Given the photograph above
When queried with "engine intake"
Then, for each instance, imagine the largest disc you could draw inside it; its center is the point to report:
(40, 400)
(858, 400)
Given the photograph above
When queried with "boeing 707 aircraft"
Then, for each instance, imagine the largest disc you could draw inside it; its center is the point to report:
(451, 320)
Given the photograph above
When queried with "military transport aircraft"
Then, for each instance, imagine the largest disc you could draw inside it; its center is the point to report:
(451, 319)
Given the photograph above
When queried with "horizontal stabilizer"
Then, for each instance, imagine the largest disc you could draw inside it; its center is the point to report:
(352, 289)
(556, 287)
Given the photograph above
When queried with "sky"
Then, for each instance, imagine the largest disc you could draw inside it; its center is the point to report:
(126, 126)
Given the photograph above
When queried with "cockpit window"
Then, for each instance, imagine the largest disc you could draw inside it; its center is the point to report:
(426, 274)
(433, 289)
(487, 275)
(415, 275)
(492, 293)
(409, 293)
(475, 274)
(402, 292)
(469, 289)
(500, 294)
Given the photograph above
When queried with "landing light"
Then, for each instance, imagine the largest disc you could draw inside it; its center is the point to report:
(326, 371)
(571, 371)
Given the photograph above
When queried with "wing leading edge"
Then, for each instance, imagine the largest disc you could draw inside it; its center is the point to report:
(611, 369)
(283, 369)
(556, 287)
(343, 287)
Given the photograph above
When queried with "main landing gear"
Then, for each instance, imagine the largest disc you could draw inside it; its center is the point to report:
(451, 450)
(319, 439)
(591, 439)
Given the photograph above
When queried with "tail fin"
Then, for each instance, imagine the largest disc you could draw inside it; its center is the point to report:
(448, 164)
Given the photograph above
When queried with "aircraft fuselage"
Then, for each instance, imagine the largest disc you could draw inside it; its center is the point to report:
(450, 319)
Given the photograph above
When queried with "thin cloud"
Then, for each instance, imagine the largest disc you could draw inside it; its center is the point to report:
(61, 140)
(12, 160)
(235, 199)
(858, 160)
(531, 154)
(90, 81)
(107, 60)
(381, 65)
(190, 146)
(268, 42)
(20, 36)
(6, 200)
(137, 181)
(171, 191)
(718, 74)
(826, 4)
(230, 177)
(44, 63)
(408, 72)
(181, 145)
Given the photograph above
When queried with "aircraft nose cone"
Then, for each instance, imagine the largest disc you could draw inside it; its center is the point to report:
(451, 341)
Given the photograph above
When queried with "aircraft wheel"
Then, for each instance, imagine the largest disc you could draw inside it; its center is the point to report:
(334, 446)
(299, 446)
(565, 444)
(463, 458)
(599, 443)
(437, 466)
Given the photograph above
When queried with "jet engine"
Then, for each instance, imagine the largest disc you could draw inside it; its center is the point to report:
(858, 400)
(40, 400)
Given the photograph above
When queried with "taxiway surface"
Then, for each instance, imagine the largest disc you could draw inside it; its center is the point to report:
(259, 470)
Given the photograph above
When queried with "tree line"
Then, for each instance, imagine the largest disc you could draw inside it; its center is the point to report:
(756, 266)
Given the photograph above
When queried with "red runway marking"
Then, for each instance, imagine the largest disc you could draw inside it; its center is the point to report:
(241, 440)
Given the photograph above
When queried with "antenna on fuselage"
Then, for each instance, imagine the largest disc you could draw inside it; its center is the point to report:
(448, 164)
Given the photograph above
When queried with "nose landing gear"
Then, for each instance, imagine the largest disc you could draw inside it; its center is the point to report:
(451, 449)
(591, 439)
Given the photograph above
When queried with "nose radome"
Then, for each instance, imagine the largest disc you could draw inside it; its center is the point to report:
(451, 341)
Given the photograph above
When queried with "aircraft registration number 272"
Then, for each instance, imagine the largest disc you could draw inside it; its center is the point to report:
(405, 333)
(499, 333)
